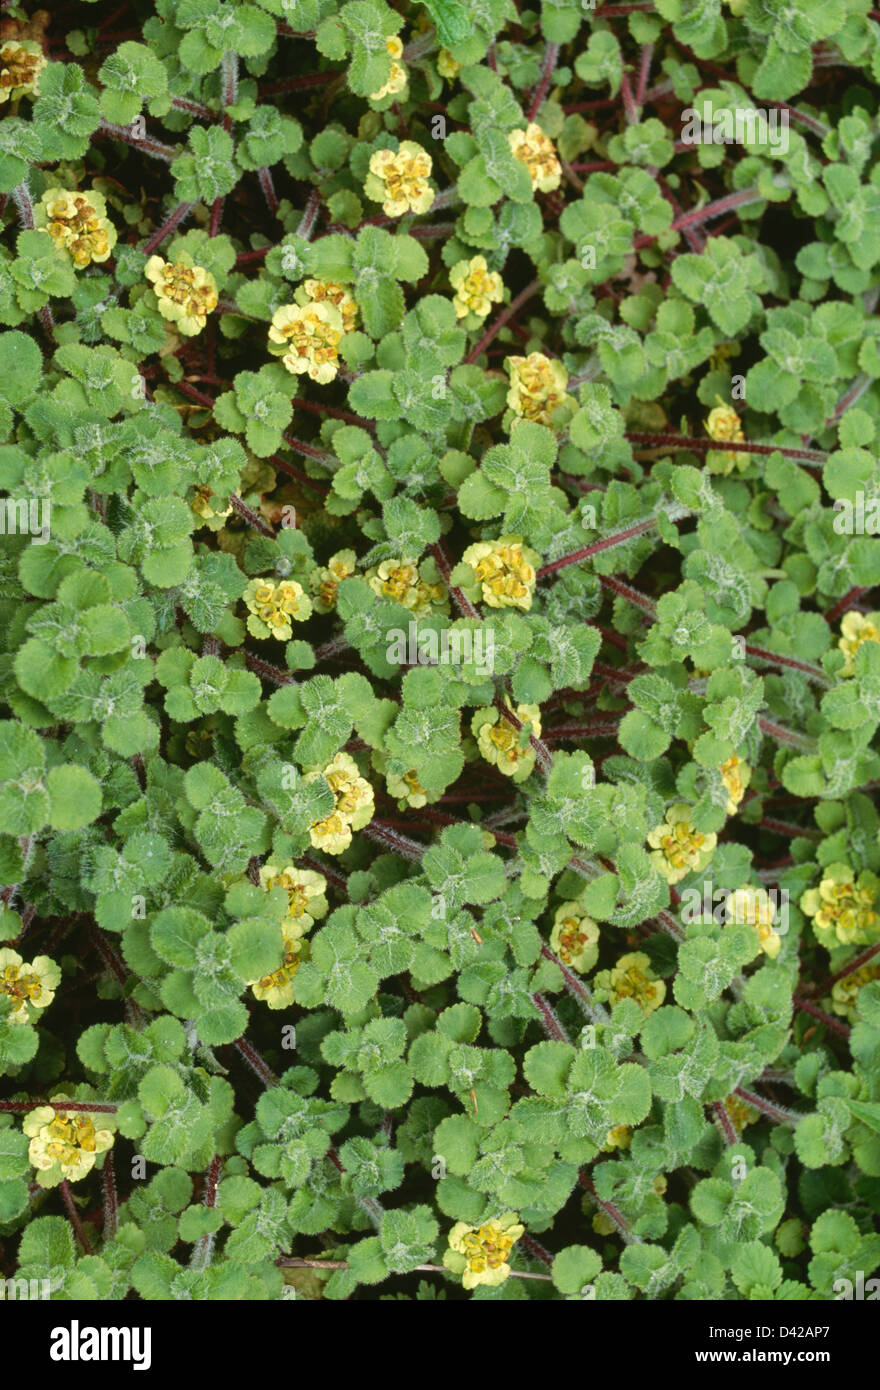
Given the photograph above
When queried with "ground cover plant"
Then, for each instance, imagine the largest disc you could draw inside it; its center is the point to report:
(440, 670)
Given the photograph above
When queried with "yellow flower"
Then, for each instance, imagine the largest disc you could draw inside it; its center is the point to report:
(64, 1143)
(330, 292)
(499, 741)
(400, 181)
(632, 978)
(325, 582)
(476, 287)
(187, 293)
(408, 788)
(740, 1112)
(481, 1253)
(306, 893)
(678, 847)
(353, 809)
(274, 606)
(724, 423)
(447, 65)
(537, 387)
(201, 504)
(619, 1137)
(575, 937)
(855, 629)
(755, 907)
(306, 337)
(401, 581)
(78, 224)
(21, 62)
(506, 570)
(538, 153)
(30, 987)
(845, 994)
(843, 906)
(398, 78)
(736, 775)
(276, 989)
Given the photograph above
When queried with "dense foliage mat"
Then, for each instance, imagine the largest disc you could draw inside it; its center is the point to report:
(440, 681)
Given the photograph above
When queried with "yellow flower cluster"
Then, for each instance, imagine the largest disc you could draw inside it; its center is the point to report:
(64, 1143)
(402, 581)
(447, 65)
(201, 504)
(306, 901)
(501, 743)
(724, 424)
(538, 153)
(405, 786)
(741, 1114)
(329, 292)
(845, 994)
(506, 571)
(537, 387)
(843, 907)
(481, 1253)
(77, 224)
(618, 1137)
(31, 987)
(274, 607)
(855, 629)
(187, 293)
(21, 62)
(736, 775)
(325, 582)
(575, 937)
(400, 181)
(476, 287)
(754, 907)
(353, 809)
(398, 79)
(632, 978)
(678, 847)
(306, 337)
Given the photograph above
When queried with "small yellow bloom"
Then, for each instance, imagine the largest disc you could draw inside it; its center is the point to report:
(736, 775)
(78, 224)
(575, 937)
(538, 153)
(845, 994)
(400, 181)
(447, 65)
(330, 292)
(506, 570)
(408, 788)
(537, 387)
(755, 907)
(186, 292)
(325, 582)
(724, 424)
(276, 989)
(678, 847)
(481, 1253)
(402, 581)
(306, 337)
(843, 907)
(398, 78)
(30, 987)
(476, 287)
(201, 504)
(21, 62)
(855, 629)
(740, 1112)
(618, 1137)
(499, 741)
(64, 1143)
(353, 809)
(632, 978)
(306, 893)
(273, 607)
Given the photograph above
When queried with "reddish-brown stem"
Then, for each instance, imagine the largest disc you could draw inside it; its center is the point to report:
(271, 673)
(550, 1023)
(833, 1023)
(111, 1202)
(724, 1121)
(216, 216)
(513, 307)
(644, 71)
(540, 749)
(680, 441)
(855, 964)
(140, 142)
(260, 1067)
(266, 183)
(767, 1107)
(781, 734)
(844, 603)
(632, 595)
(576, 557)
(75, 1219)
(774, 659)
(551, 57)
(441, 556)
(251, 517)
(88, 1107)
(177, 216)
